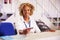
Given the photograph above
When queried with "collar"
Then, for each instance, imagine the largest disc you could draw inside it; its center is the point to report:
(24, 20)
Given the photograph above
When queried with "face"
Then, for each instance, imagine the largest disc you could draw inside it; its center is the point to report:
(26, 11)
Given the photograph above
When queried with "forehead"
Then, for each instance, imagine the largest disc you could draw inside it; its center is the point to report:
(26, 7)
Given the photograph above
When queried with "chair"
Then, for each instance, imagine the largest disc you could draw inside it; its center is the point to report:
(6, 29)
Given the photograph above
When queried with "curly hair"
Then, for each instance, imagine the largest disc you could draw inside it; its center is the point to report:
(21, 7)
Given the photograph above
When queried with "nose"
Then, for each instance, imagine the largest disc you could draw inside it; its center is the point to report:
(26, 11)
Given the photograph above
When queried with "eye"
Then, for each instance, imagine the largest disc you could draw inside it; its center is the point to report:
(28, 9)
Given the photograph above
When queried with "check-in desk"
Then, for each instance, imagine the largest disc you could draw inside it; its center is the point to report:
(38, 36)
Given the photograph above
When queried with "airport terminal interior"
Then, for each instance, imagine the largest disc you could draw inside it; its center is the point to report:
(46, 13)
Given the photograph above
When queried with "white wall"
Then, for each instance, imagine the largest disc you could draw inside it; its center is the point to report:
(42, 8)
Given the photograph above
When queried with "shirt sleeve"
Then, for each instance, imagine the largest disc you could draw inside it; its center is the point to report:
(36, 27)
(19, 26)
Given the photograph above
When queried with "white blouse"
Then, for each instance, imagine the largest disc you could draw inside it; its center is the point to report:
(21, 25)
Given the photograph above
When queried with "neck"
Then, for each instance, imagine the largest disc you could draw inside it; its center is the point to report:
(26, 19)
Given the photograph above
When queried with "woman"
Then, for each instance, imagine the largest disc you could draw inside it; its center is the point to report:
(27, 24)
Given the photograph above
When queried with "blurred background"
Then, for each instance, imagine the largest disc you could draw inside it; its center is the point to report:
(47, 12)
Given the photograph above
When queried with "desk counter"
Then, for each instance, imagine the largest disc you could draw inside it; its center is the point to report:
(38, 36)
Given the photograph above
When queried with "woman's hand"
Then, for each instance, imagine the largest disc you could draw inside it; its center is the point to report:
(52, 30)
(25, 31)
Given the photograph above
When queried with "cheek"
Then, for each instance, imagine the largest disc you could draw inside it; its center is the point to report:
(24, 12)
(30, 13)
